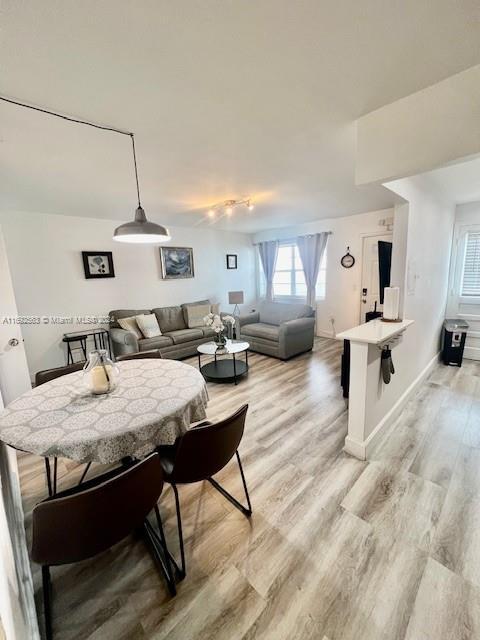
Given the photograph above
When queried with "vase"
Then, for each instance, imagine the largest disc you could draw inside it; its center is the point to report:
(220, 339)
(100, 374)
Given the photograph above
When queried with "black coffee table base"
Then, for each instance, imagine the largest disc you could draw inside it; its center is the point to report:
(228, 370)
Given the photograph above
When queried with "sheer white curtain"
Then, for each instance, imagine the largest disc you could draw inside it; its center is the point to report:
(268, 256)
(311, 249)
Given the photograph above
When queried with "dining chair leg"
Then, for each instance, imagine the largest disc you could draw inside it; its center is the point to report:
(171, 578)
(47, 607)
(246, 511)
(85, 471)
(244, 482)
(55, 465)
(158, 545)
(182, 571)
(49, 477)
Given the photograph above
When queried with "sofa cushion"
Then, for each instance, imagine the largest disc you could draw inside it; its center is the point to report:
(185, 335)
(208, 332)
(192, 304)
(278, 312)
(195, 314)
(130, 324)
(261, 330)
(170, 318)
(145, 344)
(125, 313)
(148, 325)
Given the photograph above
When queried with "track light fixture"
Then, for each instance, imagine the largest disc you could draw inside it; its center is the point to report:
(227, 206)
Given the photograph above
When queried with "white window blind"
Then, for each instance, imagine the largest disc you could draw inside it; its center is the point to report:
(471, 266)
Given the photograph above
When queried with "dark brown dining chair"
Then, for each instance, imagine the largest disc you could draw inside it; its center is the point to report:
(198, 455)
(79, 523)
(141, 355)
(50, 374)
(41, 377)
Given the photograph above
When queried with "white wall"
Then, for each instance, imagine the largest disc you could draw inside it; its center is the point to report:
(429, 231)
(465, 215)
(342, 295)
(44, 253)
(422, 131)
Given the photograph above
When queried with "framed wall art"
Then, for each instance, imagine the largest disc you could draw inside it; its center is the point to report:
(231, 261)
(98, 264)
(177, 262)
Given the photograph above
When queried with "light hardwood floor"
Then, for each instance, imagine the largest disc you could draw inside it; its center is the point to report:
(337, 549)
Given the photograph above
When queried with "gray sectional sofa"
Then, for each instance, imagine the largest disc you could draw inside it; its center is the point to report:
(177, 340)
(279, 330)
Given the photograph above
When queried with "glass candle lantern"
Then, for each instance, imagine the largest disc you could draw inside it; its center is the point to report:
(100, 374)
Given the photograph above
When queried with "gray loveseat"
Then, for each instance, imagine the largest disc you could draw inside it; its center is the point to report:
(279, 330)
(177, 340)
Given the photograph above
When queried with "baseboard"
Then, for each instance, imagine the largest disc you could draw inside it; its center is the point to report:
(361, 450)
(320, 333)
(471, 353)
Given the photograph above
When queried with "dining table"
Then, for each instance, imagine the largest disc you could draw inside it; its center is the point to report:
(154, 402)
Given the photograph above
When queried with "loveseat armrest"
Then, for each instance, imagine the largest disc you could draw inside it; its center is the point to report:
(248, 318)
(123, 341)
(299, 325)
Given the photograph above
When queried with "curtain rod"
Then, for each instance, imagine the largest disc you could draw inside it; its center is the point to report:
(301, 235)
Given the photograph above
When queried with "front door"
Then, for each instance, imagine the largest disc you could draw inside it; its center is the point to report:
(370, 288)
(14, 377)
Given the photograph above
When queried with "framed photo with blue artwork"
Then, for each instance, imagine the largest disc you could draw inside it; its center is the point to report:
(177, 262)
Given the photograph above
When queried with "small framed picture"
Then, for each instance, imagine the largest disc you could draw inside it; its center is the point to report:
(98, 264)
(177, 262)
(231, 261)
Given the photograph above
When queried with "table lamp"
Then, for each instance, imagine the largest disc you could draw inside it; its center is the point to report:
(236, 298)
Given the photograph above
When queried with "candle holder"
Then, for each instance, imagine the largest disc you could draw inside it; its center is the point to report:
(100, 374)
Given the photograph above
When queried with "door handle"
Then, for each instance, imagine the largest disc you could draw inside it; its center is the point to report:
(13, 342)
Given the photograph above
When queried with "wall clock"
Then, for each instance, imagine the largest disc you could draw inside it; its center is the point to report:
(348, 260)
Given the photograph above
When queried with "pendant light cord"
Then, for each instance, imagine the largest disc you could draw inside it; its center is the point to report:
(135, 165)
(85, 122)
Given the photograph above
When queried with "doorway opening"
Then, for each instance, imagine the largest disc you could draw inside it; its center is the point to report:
(376, 262)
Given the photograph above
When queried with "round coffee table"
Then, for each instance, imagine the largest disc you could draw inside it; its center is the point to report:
(223, 369)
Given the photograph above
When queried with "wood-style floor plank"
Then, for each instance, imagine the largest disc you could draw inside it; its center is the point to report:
(336, 549)
(446, 607)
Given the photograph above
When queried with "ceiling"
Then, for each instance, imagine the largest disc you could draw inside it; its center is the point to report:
(227, 98)
(459, 182)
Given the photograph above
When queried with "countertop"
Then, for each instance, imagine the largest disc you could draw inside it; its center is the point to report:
(375, 331)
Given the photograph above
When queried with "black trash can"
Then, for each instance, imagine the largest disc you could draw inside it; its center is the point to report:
(454, 336)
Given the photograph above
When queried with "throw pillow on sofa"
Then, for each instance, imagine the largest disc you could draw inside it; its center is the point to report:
(195, 315)
(130, 324)
(148, 325)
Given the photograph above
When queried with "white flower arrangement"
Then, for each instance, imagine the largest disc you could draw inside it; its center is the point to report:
(217, 323)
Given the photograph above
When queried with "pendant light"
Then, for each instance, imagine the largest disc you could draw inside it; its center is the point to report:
(140, 231)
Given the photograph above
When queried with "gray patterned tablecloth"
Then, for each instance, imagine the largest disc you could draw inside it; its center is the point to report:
(154, 402)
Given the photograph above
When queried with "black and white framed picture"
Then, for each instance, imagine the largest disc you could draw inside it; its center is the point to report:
(98, 264)
(231, 261)
(177, 262)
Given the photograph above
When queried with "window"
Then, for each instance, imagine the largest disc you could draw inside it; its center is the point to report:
(471, 266)
(289, 279)
(322, 278)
